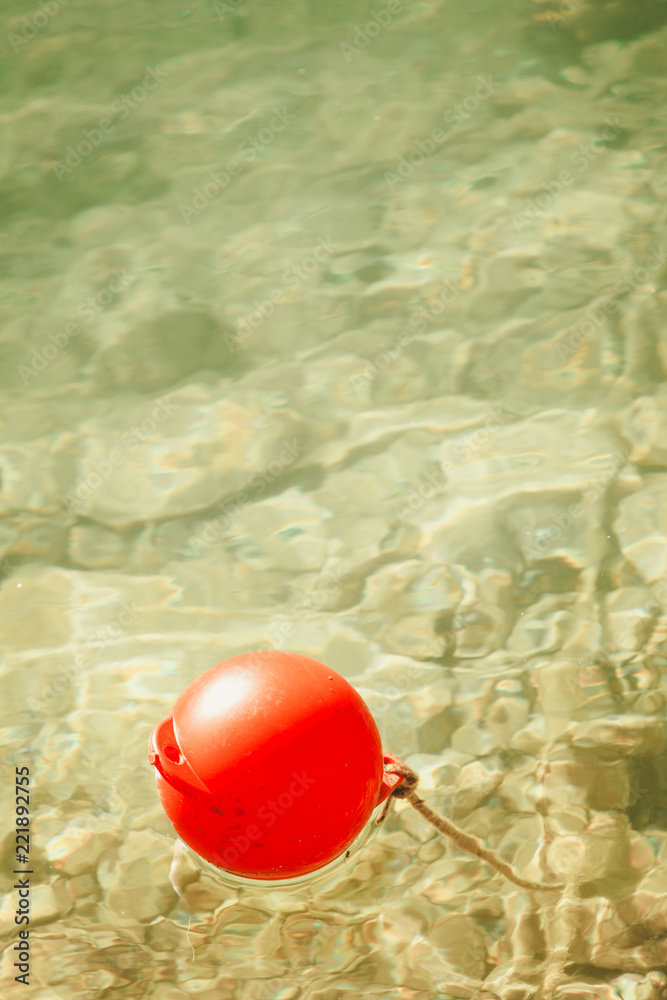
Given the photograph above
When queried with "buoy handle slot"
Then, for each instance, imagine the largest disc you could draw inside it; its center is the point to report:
(173, 754)
(167, 757)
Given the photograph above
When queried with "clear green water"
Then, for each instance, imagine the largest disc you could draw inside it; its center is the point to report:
(339, 329)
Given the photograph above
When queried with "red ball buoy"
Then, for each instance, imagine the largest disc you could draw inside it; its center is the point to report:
(269, 765)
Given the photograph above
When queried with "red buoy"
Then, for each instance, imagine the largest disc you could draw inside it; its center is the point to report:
(269, 765)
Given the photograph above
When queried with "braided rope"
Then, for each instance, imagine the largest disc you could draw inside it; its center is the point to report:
(464, 841)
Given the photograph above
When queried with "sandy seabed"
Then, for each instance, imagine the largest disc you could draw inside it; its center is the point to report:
(340, 332)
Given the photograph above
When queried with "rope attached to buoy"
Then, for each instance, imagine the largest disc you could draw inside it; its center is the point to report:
(464, 841)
